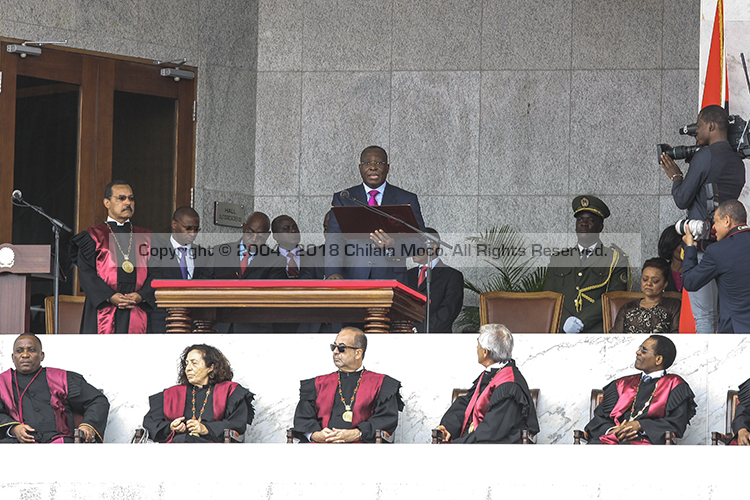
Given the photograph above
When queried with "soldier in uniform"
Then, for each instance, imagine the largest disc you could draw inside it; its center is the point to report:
(584, 272)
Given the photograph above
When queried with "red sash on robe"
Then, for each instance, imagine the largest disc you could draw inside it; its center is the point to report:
(627, 387)
(175, 396)
(106, 268)
(364, 403)
(57, 381)
(477, 407)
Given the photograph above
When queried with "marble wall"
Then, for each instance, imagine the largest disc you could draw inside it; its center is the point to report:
(564, 368)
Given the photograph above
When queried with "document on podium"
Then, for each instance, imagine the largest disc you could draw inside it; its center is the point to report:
(356, 220)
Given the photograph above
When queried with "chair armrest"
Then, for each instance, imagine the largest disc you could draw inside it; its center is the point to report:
(78, 436)
(578, 435)
(437, 436)
(669, 437)
(382, 436)
(526, 437)
(232, 436)
(290, 436)
(720, 436)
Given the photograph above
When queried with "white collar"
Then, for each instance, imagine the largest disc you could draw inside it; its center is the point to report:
(176, 245)
(380, 188)
(656, 374)
(496, 365)
(110, 219)
(294, 251)
(590, 249)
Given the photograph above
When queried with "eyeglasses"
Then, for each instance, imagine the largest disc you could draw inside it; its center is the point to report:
(122, 198)
(188, 228)
(373, 163)
(342, 348)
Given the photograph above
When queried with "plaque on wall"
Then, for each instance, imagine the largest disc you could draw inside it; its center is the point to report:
(229, 214)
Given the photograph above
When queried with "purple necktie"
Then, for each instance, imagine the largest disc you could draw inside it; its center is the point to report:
(181, 261)
(373, 201)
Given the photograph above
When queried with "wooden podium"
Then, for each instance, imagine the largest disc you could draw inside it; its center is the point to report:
(17, 263)
(384, 306)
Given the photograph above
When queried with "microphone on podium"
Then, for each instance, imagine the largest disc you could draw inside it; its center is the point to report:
(17, 195)
(344, 194)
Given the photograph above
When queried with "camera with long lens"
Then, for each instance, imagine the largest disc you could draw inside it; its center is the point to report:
(700, 229)
(737, 135)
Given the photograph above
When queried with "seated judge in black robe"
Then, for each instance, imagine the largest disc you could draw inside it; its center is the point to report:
(499, 405)
(112, 268)
(639, 409)
(205, 402)
(741, 422)
(351, 404)
(48, 397)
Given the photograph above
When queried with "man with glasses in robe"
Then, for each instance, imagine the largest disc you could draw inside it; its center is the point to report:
(350, 404)
(112, 267)
(639, 409)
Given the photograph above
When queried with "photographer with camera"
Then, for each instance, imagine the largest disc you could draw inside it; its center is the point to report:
(727, 263)
(716, 174)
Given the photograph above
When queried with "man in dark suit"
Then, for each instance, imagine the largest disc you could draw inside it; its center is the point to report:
(178, 258)
(378, 257)
(298, 262)
(250, 259)
(446, 287)
(727, 262)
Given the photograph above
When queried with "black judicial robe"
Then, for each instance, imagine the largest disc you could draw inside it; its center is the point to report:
(239, 413)
(742, 416)
(384, 417)
(680, 408)
(511, 410)
(82, 398)
(83, 253)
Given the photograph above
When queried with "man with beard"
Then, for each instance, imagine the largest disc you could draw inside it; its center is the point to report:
(350, 404)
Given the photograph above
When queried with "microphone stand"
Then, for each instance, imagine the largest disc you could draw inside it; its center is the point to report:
(56, 227)
(428, 274)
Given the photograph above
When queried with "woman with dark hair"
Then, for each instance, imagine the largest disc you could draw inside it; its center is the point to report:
(670, 249)
(654, 313)
(205, 402)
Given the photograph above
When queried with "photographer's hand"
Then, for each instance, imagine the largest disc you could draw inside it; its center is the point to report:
(688, 238)
(670, 167)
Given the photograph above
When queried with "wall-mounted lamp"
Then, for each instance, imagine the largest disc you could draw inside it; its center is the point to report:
(24, 49)
(177, 74)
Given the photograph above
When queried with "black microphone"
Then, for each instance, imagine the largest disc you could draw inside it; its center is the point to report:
(344, 194)
(17, 195)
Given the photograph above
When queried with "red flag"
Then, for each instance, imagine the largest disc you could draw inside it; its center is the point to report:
(716, 91)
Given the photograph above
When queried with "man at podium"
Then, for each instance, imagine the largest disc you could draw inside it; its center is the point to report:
(111, 260)
(379, 257)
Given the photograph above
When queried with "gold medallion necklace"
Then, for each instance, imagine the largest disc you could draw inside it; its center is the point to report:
(632, 407)
(347, 415)
(127, 266)
(200, 415)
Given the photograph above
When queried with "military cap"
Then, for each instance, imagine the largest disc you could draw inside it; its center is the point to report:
(589, 203)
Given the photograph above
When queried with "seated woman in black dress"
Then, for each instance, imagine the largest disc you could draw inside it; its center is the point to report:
(205, 402)
(654, 313)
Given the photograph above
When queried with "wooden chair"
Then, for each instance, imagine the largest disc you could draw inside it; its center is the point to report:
(613, 301)
(596, 399)
(732, 401)
(381, 436)
(536, 312)
(71, 311)
(526, 437)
